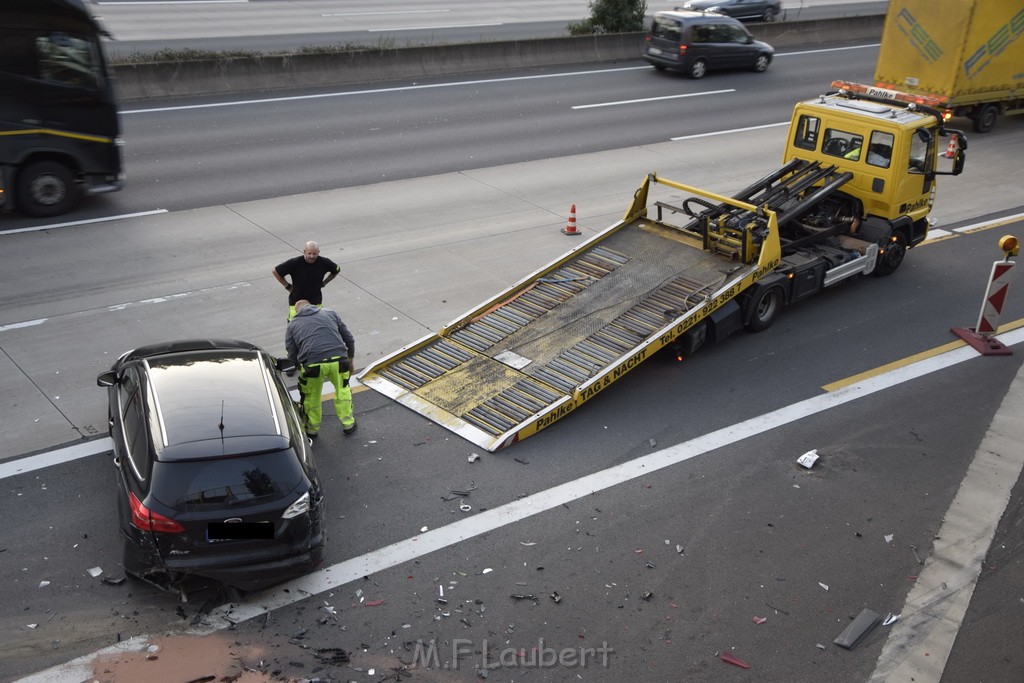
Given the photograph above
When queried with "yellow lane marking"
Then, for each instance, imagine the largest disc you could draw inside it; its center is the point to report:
(913, 359)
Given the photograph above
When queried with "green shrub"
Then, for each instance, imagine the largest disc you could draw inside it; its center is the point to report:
(611, 16)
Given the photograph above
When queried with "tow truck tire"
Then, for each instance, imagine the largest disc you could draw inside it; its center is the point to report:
(985, 119)
(46, 188)
(892, 257)
(763, 308)
(698, 69)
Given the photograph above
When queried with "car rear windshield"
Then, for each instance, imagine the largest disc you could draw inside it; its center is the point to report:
(226, 483)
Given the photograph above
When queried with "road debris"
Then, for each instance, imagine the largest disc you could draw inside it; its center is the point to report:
(823, 585)
(111, 581)
(331, 655)
(488, 570)
(522, 596)
(521, 461)
(527, 543)
(916, 556)
(820, 646)
(465, 507)
(373, 603)
(680, 549)
(94, 572)
(890, 619)
(888, 538)
(730, 658)
(853, 634)
(44, 584)
(808, 459)
(473, 457)
(556, 597)
(759, 620)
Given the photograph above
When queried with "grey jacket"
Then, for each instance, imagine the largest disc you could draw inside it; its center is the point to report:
(316, 334)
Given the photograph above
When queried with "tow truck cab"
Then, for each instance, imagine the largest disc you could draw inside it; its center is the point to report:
(889, 141)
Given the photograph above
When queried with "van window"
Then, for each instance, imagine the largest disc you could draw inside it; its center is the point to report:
(806, 136)
(738, 35)
(665, 28)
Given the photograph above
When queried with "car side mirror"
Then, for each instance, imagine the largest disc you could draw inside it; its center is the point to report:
(284, 365)
(107, 379)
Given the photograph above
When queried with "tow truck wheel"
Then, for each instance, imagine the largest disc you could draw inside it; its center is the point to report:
(890, 259)
(698, 69)
(764, 307)
(46, 188)
(985, 120)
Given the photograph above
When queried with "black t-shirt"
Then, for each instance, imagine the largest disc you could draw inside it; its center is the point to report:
(307, 278)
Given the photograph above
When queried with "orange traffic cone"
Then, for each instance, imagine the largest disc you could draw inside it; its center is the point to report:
(570, 227)
(951, 150)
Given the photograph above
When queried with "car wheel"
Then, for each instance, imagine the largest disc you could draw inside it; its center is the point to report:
(891, 258)
(764, 308)
(985, 120)
(698, 69)
(761, 63)
(659, 67)
(768, 16)
(46, 188)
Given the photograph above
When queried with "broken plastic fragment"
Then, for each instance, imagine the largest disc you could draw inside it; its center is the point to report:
(424, 529)
(488, 570)
(730, 658)
(44, 584)
(823, 585)
(473, 457)
(527, 543)
(855, 632)
(888, 538)
(373, 603)
(94, 572)
(891, 619)
(556, 597)
(759, 620)
(32, 625)
(819, 646)
(808, 459)
(465, 507)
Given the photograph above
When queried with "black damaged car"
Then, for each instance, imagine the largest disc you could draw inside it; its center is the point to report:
(216, 479)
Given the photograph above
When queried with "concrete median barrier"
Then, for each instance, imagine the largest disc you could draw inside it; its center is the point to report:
(138, 81)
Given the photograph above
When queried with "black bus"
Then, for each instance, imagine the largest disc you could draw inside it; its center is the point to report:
(59, 126)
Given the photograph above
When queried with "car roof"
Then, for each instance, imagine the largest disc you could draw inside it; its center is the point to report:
(694, 16)
(212, 402)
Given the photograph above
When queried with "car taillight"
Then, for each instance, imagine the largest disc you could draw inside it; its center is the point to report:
(682, 49)
(299, 507)
(147, 520)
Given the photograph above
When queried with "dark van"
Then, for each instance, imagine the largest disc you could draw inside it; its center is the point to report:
(695, 42)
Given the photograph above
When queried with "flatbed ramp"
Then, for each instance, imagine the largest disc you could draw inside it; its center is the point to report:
(536, 352)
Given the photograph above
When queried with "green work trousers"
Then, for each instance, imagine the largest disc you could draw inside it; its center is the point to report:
(311, 384)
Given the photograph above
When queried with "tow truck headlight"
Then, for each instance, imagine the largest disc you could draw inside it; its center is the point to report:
(299, 507)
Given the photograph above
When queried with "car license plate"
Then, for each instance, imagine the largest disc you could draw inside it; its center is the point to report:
(654, 50)
(238, 531)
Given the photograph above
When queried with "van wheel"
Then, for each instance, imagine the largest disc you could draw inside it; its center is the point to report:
(890, 259)
(764, 307)
(985, 119)
(698, 69)
(768, 16)
(761, 63)
(46, 188)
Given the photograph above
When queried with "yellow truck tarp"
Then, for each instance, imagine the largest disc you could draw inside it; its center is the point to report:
(963, 51)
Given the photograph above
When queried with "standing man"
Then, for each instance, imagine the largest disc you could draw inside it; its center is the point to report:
(321, 345)
(307, 272)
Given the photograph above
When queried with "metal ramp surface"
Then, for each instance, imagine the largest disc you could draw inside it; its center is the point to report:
(530, 356)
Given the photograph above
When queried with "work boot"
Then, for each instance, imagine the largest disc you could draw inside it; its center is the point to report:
(348, 431)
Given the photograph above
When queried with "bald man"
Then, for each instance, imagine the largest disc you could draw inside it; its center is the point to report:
(307, 273)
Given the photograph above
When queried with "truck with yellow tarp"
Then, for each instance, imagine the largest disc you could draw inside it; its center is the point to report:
(966, 54)
(685, 266)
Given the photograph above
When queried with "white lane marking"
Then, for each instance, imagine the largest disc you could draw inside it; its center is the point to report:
(936, 233)
(413, 548)
(728, 132)
(827, 49)
(57, 457)
(653, 99)
(367, 14)
(920, 643)
(428, 28)
(85, 221)
(988, 223)
(378, 91)
(177, 2)
(27, 323)
(484, 81)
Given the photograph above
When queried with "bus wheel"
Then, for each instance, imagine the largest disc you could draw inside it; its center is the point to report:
(46, 188)
(764, 307)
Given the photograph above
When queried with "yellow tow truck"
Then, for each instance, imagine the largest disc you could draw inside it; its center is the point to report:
(684, 267)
